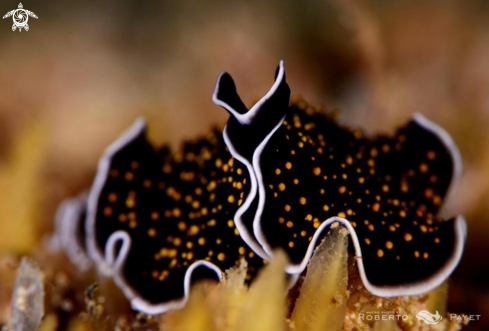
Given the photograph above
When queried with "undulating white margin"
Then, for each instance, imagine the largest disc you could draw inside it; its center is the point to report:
(108, 264)
(138, 303)
(67, 219)
(424, 286)
(385, 291)
(103, 169)
(246, 119)
(450, 145)
(238, 221)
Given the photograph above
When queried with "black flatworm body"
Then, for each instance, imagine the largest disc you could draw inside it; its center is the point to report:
(164, 220)
(277, 177)
(388, 190)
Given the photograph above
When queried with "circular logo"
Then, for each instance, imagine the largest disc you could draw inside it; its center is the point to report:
(20, 17)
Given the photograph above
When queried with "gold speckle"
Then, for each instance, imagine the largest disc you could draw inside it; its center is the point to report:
(316, 171)
(389, 244)
(423, 228)
(291, 244)
(392, 228)
(130, 202)
(288, 165)
(151, 232)
(221, 256)
(423, 167)
(230, 223)
(371, 227)
(380, 253)
(416, 253)
(281, 187)
(376, 206)
(402, 213)
(176, 212)
(289, 224)
(342, 189)
(129, 176)
(108, 211)
(112, 197)
(325, 207)
(408, 236)
(425, 255)
(367, 241)
(277, 171)
(201, 241)
(431, 155)
(242, 250)
(211, 186)
(231, 199)
(194, 229)
(341, 214)
(437, 240)
(182, 226)
(404, 186)
(302, 200)
(287, 207)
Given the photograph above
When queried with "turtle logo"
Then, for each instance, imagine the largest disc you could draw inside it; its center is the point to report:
(20, 17)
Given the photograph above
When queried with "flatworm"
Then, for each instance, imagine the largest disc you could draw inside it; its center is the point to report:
(277, 177)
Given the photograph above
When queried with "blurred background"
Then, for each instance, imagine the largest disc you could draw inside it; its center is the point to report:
(85, 70)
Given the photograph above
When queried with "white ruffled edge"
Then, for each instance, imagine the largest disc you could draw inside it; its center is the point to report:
(246, 119)
(386, 291)
(108, 262)
(450, 145)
